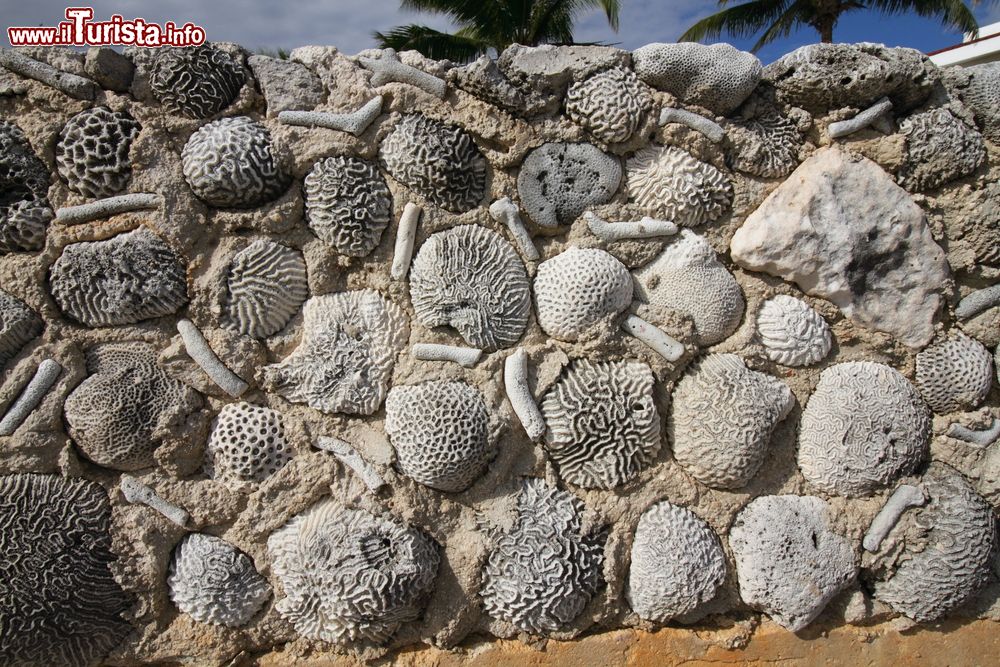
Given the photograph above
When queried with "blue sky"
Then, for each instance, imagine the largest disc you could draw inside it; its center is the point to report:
(348, 25)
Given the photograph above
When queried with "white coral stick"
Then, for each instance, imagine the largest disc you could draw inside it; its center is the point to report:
(977, 302)
(864, 119)
(515, 379)
(388, 68)
(137, 492)
(103, 208)
(696, 122)
(198, 349)
(32, 394)
(406, 233)
(350, 458)
(355, 122)
(983, 438)
(71, 84)
(504, 210)
(902, 499)
(463, 356)
(646, 228)
(667, 347)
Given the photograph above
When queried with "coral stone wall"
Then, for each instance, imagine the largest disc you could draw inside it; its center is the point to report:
(358, 353)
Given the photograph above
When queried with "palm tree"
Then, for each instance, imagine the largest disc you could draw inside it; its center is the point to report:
(492, 24)
(778, 18)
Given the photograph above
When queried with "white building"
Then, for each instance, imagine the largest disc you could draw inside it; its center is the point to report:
(984, 49)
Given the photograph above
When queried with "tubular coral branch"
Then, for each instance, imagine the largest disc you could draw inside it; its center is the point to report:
(388, 69)
(137, 492)
(198, 349)
(355, 122)
(504, 210)
(406, 233)
(71, 84)
(902, 499)
(667, 347)
(103, 208)
(33, 393)
(347, 455)
(620, 231)
(515, 377)
(864, 119)
(463, 356)
(696, 122)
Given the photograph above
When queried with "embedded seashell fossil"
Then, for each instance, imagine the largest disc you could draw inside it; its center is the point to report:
(864, 427)
(544, 570)
(671, 183)
(765, 145)
(722, 417)
(440, 431)
(688, 278)
(349, 575)
(92, 152)
(954, 374)
(119, 413)
(602, 423)
(348, 204)
(247, 444)
(60, 603)
(468, 277)
(266, 286)
(948, 557)
(438, 161)
(24, 186)
(231, 163)
(215, 582)
(196, 82)
(790, 563)
(677, 563)
(19, 324)
(610, 104)
(558, 181)
(579, 288)
(128, 278)
(349, 345)
(792, 333)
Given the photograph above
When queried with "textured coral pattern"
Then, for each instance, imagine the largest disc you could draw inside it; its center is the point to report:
(765, 145)
(247, 444)
(939, 149)
(557, 182)
(92, 153)
(578, 289)
(348, 204)
(215, 582)
(602, 424)
(864, 427)
(196, 82)
(982, 96)
(231, 163)
(669, 182)
(543, 572)
(954, 374)
(610, 105)
(59, 604)
(952, 558)
(440, 431)
(19, 324)
(119, 413)
(348, 575)
(439, 162)
(349, 345)
(677, 563)
(24, 186)
(126, 279)
(792, 333)
(721, 420)
(470, 278)
(266, 287)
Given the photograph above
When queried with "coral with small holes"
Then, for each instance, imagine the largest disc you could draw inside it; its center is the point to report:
(196, 82)
(558, 181)
(247, 444)
(92, 154)
(348, 204)
(954, 374)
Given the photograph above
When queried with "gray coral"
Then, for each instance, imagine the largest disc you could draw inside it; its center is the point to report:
(438, 161)
(266, 285)
(954, 374)
(610, 104)
(982, 96)
(440, 431)
(671, 183)
(348, 204)
(602, 426)
(92, 154)
(939, 148)
(24, 185)
(247, 444)
(557, 181)
(196, 82)
(766, 144)
(19, 324)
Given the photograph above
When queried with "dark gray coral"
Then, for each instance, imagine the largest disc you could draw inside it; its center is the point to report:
(92, 155)
(18, 325)
(196, 82)
(24, 186)
(939, 149)
(348, 204)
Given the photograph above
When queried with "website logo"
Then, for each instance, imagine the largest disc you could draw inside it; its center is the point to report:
(79, 29)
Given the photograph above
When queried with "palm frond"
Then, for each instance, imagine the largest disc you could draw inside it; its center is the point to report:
(798, 13)
(432, 43)
(952, 13)
(744, 20)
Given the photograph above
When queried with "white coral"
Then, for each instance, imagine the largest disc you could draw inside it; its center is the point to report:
(792, 333)
(954, 374)
(266, 286)
(670, 182)
(610, 104)
(247, 444)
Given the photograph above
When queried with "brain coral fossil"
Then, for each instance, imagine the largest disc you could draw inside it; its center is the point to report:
(766, 144)
(59, 603)
(247, 444)
(438, 161)
(722, 417)
(266, 286)
(677, 565)
(558, 181)
(92, 153)
(543, 572)
(440, 431)
(954, 374)
(792, 333)
(24, 186)
(128, 278)
(119, 413)
(196, 82)
(231, 163)
(939, 149)
(215, 582)
(348, 204)
(863, 427)
(610, 104)
(949, 555)
(579, 288)
(18, 325)
(349, 345)
(669, 182)
(687, 278)
(602, 423)
(470, 278)
(349, 575)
